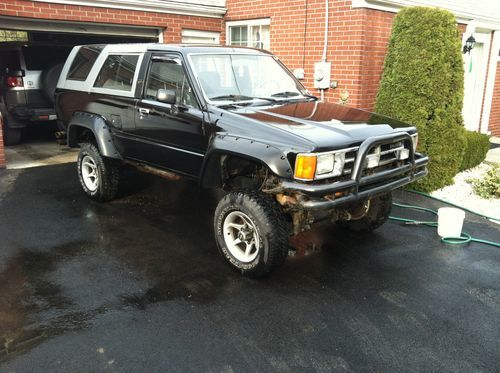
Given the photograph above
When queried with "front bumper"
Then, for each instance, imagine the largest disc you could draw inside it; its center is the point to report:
(361, 187)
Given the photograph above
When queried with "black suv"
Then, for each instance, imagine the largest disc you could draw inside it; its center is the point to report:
(237, 119)
(28, 79)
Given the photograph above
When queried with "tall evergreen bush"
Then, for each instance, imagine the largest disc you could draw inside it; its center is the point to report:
(422, 84)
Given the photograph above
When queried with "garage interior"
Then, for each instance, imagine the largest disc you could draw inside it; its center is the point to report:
(44, 44)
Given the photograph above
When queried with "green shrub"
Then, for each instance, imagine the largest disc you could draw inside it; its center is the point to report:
(489, 186)
(476, 147)
(422, 84)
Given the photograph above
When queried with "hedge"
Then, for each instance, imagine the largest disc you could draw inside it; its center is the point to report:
(476, 147)
(422, 84)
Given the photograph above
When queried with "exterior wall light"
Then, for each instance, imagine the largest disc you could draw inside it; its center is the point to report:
(469, 44)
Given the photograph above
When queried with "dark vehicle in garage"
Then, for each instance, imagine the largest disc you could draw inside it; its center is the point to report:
(237, 119)
(28, 78)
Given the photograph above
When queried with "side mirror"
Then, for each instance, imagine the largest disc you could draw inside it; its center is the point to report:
(167, 96)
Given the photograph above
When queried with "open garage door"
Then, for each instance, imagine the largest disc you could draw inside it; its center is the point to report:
(30, 63)
(147, 34)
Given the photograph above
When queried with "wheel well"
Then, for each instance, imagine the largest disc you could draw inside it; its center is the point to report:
(79, 134)
(234, 172)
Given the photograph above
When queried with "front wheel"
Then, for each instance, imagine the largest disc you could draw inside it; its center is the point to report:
(251, 233)
(379, 209)
(98, 175)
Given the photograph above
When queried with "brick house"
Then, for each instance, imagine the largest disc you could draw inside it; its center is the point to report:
(357, 37)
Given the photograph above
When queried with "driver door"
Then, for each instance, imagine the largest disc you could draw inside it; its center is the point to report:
(174, 133)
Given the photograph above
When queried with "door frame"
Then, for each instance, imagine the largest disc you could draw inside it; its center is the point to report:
(474, 100)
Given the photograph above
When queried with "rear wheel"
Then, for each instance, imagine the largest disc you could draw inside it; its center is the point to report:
(379, 209)
(98, 175)
(12, 136)
(251, 233)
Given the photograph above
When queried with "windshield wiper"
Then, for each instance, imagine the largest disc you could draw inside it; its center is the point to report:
(242, 98)
(285, 94)
(290, 94)
(231, 97)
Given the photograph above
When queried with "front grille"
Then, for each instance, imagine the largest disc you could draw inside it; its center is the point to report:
(389, 158)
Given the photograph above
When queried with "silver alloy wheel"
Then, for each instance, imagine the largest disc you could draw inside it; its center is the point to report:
(241, 236)
(90, 173)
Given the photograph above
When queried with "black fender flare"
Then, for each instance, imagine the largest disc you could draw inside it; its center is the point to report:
(268, 155)
(98, 126)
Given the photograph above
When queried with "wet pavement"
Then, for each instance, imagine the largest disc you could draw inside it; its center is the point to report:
(137, 285)
(39, 148)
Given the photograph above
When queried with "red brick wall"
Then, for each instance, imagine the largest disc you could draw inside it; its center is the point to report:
(173, 23)
(357, 41)
(494, 125)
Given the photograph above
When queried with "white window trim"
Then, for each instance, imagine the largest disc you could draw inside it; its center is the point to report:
(201, 34)
(247, 22)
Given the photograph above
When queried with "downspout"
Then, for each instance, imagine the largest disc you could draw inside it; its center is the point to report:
(325, 44)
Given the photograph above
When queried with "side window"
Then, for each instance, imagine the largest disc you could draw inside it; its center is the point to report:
(83, 62)
(169, 74)
(117, 72)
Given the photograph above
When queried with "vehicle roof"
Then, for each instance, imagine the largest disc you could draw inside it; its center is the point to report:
(181, 48)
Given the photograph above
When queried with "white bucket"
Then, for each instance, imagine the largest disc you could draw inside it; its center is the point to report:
(450, 221)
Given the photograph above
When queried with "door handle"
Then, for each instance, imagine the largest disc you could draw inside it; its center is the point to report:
(143, 111)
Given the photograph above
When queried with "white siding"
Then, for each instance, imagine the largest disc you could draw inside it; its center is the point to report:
(487, 11)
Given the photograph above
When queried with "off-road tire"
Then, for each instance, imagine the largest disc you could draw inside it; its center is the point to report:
(269, 220)
(108, 171)
(380, 209)
(11, 136)
(50, 78)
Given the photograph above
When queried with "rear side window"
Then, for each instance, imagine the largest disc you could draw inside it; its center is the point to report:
(117, 72)
(83, 62)
(9, 59)
(39, 58)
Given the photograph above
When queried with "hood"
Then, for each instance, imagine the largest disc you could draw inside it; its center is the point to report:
(325, 126)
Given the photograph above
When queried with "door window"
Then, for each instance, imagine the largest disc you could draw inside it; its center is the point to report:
(169, 74)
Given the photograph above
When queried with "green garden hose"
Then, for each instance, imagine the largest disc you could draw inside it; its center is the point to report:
(463, 239)
(452, 204)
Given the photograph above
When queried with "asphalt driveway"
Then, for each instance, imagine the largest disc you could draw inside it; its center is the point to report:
(137, 285)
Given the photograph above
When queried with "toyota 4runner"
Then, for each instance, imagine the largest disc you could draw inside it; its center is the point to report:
(237, 119)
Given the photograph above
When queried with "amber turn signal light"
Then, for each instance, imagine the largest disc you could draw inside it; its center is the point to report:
(305, 167)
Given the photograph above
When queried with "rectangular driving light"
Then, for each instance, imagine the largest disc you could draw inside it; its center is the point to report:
(404, 154)
(338, 166)
(373, 159)
(414, 140)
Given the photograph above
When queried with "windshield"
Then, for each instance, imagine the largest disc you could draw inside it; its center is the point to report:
(239, 77)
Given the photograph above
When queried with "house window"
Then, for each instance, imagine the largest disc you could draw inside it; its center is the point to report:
(253, 33)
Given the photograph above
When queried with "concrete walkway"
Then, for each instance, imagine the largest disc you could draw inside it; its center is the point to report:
(37, 154)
